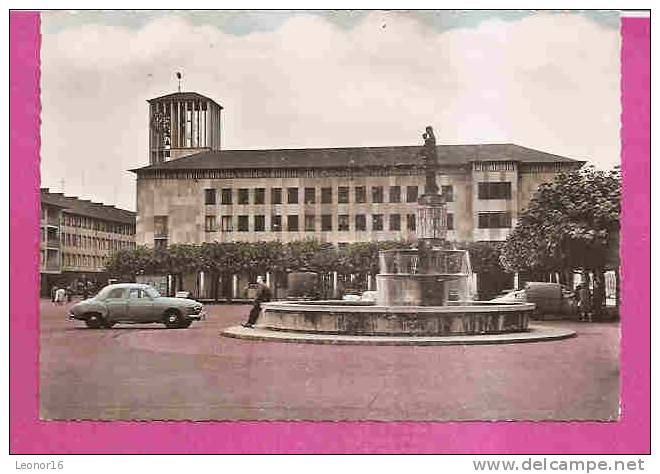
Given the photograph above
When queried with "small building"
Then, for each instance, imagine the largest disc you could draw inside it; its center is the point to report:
(77, 236)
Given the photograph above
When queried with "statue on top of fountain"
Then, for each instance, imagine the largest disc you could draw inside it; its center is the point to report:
(431, 228)
(430, 161)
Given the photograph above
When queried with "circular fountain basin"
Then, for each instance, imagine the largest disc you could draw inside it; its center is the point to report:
(368, 319)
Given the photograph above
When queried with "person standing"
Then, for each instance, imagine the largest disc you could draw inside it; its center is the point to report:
(584, 302)
(264, 294)
(598, 298)
(53, 292)
(60, 296)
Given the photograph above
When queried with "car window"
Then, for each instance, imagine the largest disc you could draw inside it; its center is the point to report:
(136, 293)
(116, 293)
(151, 292)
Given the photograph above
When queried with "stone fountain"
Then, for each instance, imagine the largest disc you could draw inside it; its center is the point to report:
(423, 295)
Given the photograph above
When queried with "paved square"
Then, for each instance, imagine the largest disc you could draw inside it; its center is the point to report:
(149, 372)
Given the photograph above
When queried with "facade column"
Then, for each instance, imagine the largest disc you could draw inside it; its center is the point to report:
(516, 281)
(198, 107)
(234, 286)
(211, 126)
(178, 124)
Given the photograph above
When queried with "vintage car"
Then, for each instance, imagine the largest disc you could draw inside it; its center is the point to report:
(551, 299)
(136, 303)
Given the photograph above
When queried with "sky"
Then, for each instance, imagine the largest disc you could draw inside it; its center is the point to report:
(545, 80)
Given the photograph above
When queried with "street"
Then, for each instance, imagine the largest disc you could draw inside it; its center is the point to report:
(152, 373)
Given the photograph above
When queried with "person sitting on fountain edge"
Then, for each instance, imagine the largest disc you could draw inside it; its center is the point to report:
(264, 294)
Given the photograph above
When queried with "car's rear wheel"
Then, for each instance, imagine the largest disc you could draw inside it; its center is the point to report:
(108, 324)
(94, 321)
(173, 319)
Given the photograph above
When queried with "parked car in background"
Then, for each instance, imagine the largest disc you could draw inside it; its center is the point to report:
(551, 299)
(369, 296)
(136, 303)
(511, 296)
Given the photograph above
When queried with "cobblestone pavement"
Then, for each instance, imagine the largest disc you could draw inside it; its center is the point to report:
(149, 372)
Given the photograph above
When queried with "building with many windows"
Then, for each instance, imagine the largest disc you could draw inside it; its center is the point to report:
(337, 195)
(77, 236)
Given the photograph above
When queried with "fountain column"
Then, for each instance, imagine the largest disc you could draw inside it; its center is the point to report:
(431, 224)
(419, 277)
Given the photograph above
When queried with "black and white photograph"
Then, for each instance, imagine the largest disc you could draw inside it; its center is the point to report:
(330, 215)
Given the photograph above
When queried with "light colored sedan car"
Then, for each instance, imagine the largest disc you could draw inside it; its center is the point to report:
(136, 303)
(550, 298)
(512, 296)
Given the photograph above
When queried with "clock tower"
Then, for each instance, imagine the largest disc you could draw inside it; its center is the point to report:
(182, 124)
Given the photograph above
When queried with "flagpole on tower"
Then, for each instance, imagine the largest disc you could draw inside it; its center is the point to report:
(179, 76)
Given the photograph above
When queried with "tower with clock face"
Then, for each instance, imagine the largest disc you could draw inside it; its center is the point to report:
(182, 124)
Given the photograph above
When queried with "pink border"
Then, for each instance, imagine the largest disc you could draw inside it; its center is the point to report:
(29, 435)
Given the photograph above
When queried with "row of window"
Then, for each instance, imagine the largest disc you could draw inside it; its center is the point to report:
(99, 225)
(485, 220)
(486, 191)
(310, 223)
(83, 261)
(325, 195)
(94, 243)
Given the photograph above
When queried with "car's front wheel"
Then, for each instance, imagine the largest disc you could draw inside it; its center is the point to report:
(94, 321)
(173, 319)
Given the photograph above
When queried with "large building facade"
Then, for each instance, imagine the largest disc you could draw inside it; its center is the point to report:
(77, 237)
(337, 195)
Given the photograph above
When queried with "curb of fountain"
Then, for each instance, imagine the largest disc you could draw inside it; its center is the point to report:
(534, 334)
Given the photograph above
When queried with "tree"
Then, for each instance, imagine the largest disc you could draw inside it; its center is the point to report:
(570, 224)
(125, 264)
(362, 257)
(485, 257)
(310, 255)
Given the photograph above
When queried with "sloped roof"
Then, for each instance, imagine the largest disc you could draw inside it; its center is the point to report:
(85, 207)
(183, 96)
(354, 157)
